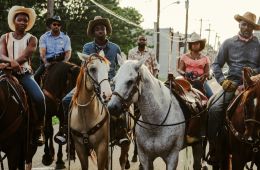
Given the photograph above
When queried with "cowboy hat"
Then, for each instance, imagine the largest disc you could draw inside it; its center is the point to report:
(249, 18)
(21, 9)
(98, 20)
(55, 18)
(196, 38)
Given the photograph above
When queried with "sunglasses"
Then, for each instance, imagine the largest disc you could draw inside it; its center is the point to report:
(56, 25)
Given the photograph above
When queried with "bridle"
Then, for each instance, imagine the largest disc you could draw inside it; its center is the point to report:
(126, 102)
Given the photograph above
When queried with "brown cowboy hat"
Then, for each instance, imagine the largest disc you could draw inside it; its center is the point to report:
(21, 9)
(196, 38)
(98, 20)
(249, 17)
(54, 18)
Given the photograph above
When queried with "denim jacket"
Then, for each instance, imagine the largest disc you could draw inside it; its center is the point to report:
(237, 54)
(111, 50)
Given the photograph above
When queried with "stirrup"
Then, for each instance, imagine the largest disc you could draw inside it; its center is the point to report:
(60, 138)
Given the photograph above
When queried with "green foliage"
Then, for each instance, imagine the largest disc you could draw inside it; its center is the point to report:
(76, 14)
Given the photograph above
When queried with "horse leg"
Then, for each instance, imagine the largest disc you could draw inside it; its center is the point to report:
(237, 162)
(47, 158)
(146, 162)
(134, 158)
(123, 159)
(172, 160)
(81, 152)
(60, 164)
(197, 151)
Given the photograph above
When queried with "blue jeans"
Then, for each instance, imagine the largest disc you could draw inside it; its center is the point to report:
(66, 101)
(207, 89)
(216, 113)
(35, 93)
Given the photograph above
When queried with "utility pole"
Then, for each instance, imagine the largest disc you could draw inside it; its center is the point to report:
(186, 24)
(170, 69)
(215, 41)
(158, 31)
(50, 8)
(209, 30)
(200, 26)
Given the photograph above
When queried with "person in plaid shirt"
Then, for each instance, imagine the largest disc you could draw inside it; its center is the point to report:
(141, 51)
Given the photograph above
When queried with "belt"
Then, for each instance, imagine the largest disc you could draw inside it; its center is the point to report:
(58, 57)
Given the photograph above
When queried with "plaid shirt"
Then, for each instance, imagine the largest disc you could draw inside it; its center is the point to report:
(151, 62)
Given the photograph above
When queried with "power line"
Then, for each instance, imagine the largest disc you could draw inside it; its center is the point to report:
(114, 14)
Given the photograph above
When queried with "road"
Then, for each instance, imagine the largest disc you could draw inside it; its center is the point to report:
(185, 158)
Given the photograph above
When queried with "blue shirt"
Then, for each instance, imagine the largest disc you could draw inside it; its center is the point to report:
(54, 44)
(110, 49)
(237, 54)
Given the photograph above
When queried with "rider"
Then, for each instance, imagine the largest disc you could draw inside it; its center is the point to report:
(141, 51)
(17, 50)
(195, 62)
(98, 29)
(54, 46)
(242, 50)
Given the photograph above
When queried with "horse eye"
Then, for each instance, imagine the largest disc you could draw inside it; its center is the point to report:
(92, 69)
(129, 83)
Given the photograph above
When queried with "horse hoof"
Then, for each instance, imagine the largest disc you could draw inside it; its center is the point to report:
(141, 167)
(60, 166)
(127, 164)
(204, 168)
(47, 160)
(134, 158)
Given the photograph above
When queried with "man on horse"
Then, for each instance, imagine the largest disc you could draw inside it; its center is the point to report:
(98, 29)
(54, 46)
(17, 50)
(142, 51)
(196, 63)
(242, 50)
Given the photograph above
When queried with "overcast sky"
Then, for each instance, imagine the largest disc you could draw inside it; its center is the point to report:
(218, 13)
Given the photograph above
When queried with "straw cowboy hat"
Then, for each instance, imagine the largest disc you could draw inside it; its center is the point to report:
(249, 17)
(196, 38)
(98, 20)
(55, 18)
(21, 9)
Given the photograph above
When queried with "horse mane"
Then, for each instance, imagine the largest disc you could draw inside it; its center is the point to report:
(255, 89)
(78, 84)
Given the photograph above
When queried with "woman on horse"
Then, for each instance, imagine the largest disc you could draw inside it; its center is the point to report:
(17, 50)
(194, 64)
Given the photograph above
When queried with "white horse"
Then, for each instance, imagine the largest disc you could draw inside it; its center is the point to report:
(134, 83)
(89, 117)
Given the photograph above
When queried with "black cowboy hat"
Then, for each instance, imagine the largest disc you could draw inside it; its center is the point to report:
(55, 18)
(98, 20)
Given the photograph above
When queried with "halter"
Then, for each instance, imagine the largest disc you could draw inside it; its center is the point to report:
(126, 102)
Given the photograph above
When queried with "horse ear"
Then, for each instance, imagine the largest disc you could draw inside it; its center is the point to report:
(247, 80)
(121, 58)
(82, 56)
(141, 62)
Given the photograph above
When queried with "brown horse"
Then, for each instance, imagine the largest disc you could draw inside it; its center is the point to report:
(15, 124)
(58, 80)
(243, 122)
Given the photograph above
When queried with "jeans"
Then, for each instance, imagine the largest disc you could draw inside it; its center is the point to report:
(66, 101)
(216, 113)
(34, 92)
(207, 89)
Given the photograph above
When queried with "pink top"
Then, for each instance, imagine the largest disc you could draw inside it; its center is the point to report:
(194, 65)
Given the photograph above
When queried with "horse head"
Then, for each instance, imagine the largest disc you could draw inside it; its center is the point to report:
(94, 72)
(251, 104)
(127, 82)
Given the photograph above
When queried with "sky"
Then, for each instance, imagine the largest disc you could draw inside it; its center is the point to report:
(218, 13)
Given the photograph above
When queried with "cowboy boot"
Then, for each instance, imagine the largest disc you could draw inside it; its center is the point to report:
(124, 138)
(213, 158)
(62, 135)
(39, 137)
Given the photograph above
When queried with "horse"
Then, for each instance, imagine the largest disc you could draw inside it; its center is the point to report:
(57, 81)
(16, 127)
(242, 138)
(158, 108)
(89, 117)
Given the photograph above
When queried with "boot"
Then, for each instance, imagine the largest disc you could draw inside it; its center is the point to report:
(39, 137)
(213, 155)
(62, 135)
(124, 138)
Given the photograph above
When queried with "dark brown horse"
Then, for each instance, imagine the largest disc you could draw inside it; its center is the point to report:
(243, 122)
(58, 80)
(15, 124)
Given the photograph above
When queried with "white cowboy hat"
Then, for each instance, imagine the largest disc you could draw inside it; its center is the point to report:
(249, 17)
(98, 20)
(196, 38)
(21, 9)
